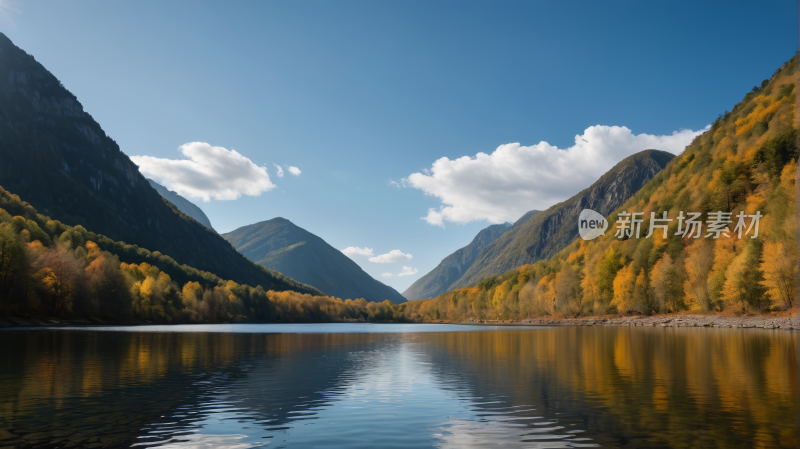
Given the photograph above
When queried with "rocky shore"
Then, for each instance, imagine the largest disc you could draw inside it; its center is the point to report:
(739, 322)
(720, 321)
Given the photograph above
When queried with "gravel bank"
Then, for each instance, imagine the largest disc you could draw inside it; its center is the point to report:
(743, 322)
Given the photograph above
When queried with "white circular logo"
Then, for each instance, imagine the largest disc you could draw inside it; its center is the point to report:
(591, 224)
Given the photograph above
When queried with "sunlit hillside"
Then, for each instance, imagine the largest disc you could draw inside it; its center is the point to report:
(744, 165)
(51, 270)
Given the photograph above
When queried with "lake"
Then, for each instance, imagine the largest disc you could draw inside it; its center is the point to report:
(397, 385)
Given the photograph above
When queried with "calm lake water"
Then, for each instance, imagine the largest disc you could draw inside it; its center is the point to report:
(397, 385)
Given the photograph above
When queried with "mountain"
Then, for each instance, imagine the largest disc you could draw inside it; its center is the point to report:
(281, 245)
(548, 232)
(185, 206)
(452, 267)
(737, 181)
(57, 157)
(49, 269)
(537, 235)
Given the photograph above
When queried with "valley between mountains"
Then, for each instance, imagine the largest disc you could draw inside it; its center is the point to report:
(85, 237)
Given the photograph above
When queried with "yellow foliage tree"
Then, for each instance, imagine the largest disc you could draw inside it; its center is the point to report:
(779, 265)
(698, 264)
(624, 285)
(732, 290)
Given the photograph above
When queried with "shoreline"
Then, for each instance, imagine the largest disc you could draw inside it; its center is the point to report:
(53, 323)
(786, 322)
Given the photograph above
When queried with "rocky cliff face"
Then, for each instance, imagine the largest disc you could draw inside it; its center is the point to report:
(550, 231)
(281, 245)
(55, 156)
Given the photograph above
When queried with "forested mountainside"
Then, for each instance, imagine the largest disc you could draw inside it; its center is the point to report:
(184, 205)
(281, 245)
(55, 156)
(51, 270)
(552, 230)
(744, 165)
(452, 267)
(536, 235)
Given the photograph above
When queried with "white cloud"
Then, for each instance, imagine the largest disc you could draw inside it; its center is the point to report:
(209, 172)
(292, 169)
(351, 251)
(514, 179)
(408, 271)
(8, 7)
(391, 257)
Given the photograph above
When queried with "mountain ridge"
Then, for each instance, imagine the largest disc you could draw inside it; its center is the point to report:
(452, 267)
(548, 232)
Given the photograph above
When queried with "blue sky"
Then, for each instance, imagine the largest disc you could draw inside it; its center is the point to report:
(364, 97)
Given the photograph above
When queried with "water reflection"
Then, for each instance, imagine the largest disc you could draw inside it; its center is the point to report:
(565, 387)
(641, 387)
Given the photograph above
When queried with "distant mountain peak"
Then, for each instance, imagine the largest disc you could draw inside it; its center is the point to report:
(281, 245)
(452, 267)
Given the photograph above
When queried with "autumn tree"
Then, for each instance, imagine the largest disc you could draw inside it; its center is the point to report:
(12, 261)
(624, 287)
(545, 303)
(666, 285)
(779, 266)
(642, 299)
(606, 272)
(744, 280)
(591, 302)
(698, 264)
(725, 251)
(108, 291)
(568, 291)
(61, 275)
